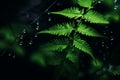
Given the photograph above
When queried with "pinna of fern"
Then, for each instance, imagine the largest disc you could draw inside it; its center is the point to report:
(60, 29)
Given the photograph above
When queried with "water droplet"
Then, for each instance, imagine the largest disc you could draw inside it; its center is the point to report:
(30, 42)
(37, 23)
(85, 20)
(112, 39)
(21, 43)
(21, 37)
(37, 28)
(36, 35)
(103, 42)
(14, 56)
(48, 13)
(9, 54)
(99, 1)
(115, 7)
(104, 33)
(103, 45)
(111, 32)
(24, 31)
(49, 19)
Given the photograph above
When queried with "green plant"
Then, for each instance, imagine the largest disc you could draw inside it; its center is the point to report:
(70, 43)
(71, 32)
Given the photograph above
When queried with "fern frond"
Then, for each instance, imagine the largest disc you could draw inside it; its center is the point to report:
(70, 12)
(94, 17)
(56, 45)
(85, 3)
(60, 29)
(88, 31)
(82, 45)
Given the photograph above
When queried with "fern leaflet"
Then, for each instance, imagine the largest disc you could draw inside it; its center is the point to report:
(72, 57)
(82, 45)
(88, 31)
(38, 58)
(85, 3)
(56, 45)
(60, 29)
(94, 17)
(70, 12)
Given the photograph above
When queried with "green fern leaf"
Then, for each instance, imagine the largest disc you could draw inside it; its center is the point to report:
(60, 29)
(56, 45)
(94, 17)
(82, 45)
(70, 12)
(72, 57)
(88, 31)
(85, 3)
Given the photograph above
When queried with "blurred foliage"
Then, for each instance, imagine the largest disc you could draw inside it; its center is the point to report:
(10, 37)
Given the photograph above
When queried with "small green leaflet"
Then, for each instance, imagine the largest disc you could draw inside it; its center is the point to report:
(38, 58)
(72, 57)
(94, 17)
(59, 29)
(97, 63)
(82, 45)
(88, 31)
(70, 12)
(56, 45)
(85, 3)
